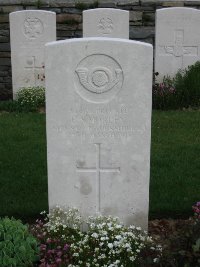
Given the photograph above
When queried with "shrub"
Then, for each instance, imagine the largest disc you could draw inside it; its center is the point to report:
(31, 98)
(182, 91)
(106, 243)
(180, 240)
(187, 84)
(164, 94)
(10, 106)
(17, 246)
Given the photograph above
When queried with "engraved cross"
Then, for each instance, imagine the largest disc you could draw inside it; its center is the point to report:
(31, 64)
(98, 170)
(179, 50)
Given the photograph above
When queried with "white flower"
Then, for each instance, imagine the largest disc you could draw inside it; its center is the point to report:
(110, 245)
(132, 258)
(95, 235)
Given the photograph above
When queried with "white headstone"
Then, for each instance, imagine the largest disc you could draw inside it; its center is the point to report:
(177, 39)
(98, 126)
(106, 22)
(29, 32)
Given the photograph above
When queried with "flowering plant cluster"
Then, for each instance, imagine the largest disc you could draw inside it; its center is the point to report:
(106, 242)
(164, 94)
(31, 98)
(56, 232)
(167, 87)
(196, 209)
(109, 243)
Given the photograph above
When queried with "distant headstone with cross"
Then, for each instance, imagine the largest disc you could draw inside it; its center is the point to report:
(177, 39)
(29, 31)
(98, 108)
(106, 22)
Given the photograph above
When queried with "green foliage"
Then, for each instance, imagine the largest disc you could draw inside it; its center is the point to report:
(175, 157)
(106, 243)
(182, 248)
(82, 6)
(9, 106)
(182, 91)
(38, 4)
(187, 84)
(23, 170)
(31, 98)
(18, 247)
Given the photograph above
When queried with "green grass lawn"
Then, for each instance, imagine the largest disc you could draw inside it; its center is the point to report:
(175, 164)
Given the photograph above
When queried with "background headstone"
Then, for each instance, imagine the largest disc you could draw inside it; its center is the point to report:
(29, 32)
(177, 39)
(98, 102)
(106, 22)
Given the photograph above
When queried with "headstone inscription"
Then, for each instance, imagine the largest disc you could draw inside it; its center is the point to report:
(29, 31)
(177, 39)
(106, 22)
(98, 102)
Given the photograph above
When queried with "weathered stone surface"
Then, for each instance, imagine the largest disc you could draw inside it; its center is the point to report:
(4, 68)
(106, 4)
(2, 86)
(4, 18)
(68, 27)
(4, 47)
(177, 39)
(11, 2)
(29, 31)
(4, 39)
(3, 73)
(148, 18)
(31, 8)
(5, 62)
(192, 2)
(56, 10)
(98, 138)
(4, 54)
(106, 22)
(136, 15)
(141, 32)
(162, 2)
(62, 3)
(8, 9)
(72, 11)
(68, 18)
(127, 2)
(4, 26)
(173, 4)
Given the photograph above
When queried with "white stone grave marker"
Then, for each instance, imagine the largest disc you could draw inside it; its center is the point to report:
(98, 102)
(106, 22)
(177, 39)
(29, 32)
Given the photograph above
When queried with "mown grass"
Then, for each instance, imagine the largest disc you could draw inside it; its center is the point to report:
(175, 164)
(23, 170)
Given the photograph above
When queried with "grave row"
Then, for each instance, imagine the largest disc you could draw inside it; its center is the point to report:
(98, 103)
(177, 39)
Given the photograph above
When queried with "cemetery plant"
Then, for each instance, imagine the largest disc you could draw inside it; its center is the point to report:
(10, 106)
(18, 247)
(180, 241)
(181, 91)
(31, 98)
(107, 242)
